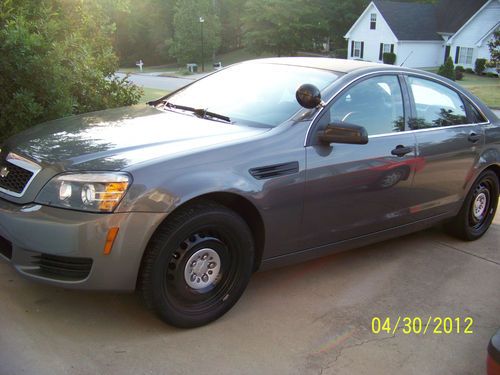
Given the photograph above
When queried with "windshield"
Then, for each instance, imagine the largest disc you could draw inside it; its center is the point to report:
(254, 93)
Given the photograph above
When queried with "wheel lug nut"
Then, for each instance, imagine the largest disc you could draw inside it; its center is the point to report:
(193, 263)
(212, 265)
(204, 278)
(193, 277)
(204, 257)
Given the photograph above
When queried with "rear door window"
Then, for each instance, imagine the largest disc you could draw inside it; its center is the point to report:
(436, 105)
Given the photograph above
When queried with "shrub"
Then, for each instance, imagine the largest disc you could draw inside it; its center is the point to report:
(447, 69)
(480, 66)
(341, 53)
(56, 60)
(492, 75)
(460, 68)
(469, 70)
(389, 58)
(459, 75)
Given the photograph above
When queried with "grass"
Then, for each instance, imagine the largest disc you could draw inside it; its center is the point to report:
(151, 94)
(149, 69)
(485, 88)
(175, 70)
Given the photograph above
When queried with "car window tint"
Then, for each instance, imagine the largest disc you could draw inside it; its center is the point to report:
(475, 116)
(436, 105)
(375, 103)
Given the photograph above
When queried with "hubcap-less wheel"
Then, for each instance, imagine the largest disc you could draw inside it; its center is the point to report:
(478, 209)
(480, 205)
(202, 269)
(197, 265)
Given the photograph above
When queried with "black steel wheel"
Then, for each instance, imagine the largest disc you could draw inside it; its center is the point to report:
(478, 209)
(197, 264)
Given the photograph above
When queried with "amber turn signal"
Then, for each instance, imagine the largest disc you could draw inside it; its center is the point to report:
(110, 240)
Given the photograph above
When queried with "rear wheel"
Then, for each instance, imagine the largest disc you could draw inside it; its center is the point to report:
(197, 264)
(478, 209)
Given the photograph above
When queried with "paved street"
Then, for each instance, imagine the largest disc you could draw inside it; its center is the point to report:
(160, 83)
(312, 318)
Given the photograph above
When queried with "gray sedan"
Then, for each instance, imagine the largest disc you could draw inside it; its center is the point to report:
(261, 164)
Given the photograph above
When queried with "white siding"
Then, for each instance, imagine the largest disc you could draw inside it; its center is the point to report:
(420, 54)
(470, 35)
(371, 38)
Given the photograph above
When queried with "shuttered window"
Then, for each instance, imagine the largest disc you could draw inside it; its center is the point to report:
(464, 56)
(385, 48)
(357, 49)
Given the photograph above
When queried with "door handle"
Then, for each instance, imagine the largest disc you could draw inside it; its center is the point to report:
(401, 150)
(473, 137)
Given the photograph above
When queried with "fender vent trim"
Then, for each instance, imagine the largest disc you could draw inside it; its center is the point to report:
(275, 170)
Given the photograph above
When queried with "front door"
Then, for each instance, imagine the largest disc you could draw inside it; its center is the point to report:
(354, 190)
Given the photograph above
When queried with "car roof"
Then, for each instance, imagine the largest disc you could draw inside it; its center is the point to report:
(337, 65)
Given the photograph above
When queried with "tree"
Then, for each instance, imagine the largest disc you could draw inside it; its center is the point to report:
(447, 69)
(187, 42)
(494, 46)
(144, 30)
(282, 27)
(57, 60)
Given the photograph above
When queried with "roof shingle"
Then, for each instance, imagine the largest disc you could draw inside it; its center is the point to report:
(417, 21)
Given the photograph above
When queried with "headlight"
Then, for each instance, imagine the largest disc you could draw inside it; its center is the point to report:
(96, 192)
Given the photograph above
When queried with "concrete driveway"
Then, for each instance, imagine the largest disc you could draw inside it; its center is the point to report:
(312, 318)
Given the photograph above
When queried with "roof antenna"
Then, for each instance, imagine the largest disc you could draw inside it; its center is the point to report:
(407, 57)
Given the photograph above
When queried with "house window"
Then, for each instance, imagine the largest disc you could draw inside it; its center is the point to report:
(464, 55)
(357, 50)
(385, 48)
(373, 21)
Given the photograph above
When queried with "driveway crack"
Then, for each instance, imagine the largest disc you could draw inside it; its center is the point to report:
(467, 252)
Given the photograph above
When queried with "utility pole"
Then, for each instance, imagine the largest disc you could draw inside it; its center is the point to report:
(202, 21)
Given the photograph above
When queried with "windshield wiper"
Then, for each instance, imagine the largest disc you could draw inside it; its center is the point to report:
(199, 112)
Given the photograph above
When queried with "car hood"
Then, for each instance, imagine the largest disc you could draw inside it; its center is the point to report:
(117, 138)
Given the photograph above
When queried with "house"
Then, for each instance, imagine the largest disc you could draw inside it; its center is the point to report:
(424, 35)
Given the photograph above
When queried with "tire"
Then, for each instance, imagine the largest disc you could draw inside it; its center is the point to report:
(478, 209)
(197, 264)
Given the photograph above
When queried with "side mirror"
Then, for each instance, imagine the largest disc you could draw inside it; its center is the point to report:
(308, 96)
(342, 132)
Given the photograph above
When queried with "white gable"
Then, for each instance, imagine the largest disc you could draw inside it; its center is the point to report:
(475, 29)
(361, 28)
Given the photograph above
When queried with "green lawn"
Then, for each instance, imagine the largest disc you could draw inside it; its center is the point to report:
(151, 94)
(226, 59)
(149, 69)
(486, 88)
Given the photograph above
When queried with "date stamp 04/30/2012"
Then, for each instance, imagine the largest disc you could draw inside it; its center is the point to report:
(429, 325)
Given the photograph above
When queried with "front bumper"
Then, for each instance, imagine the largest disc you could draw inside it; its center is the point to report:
(66, 248)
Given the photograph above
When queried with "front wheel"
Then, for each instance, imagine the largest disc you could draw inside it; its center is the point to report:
(197, 264)
(478, 209)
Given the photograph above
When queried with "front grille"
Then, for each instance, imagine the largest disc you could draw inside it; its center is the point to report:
(5, 248)
(67, 267)
(13, 178)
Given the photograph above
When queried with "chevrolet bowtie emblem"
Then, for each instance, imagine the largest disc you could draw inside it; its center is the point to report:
(4, 172)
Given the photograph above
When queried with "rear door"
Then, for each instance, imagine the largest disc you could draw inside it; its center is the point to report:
(450, 138)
